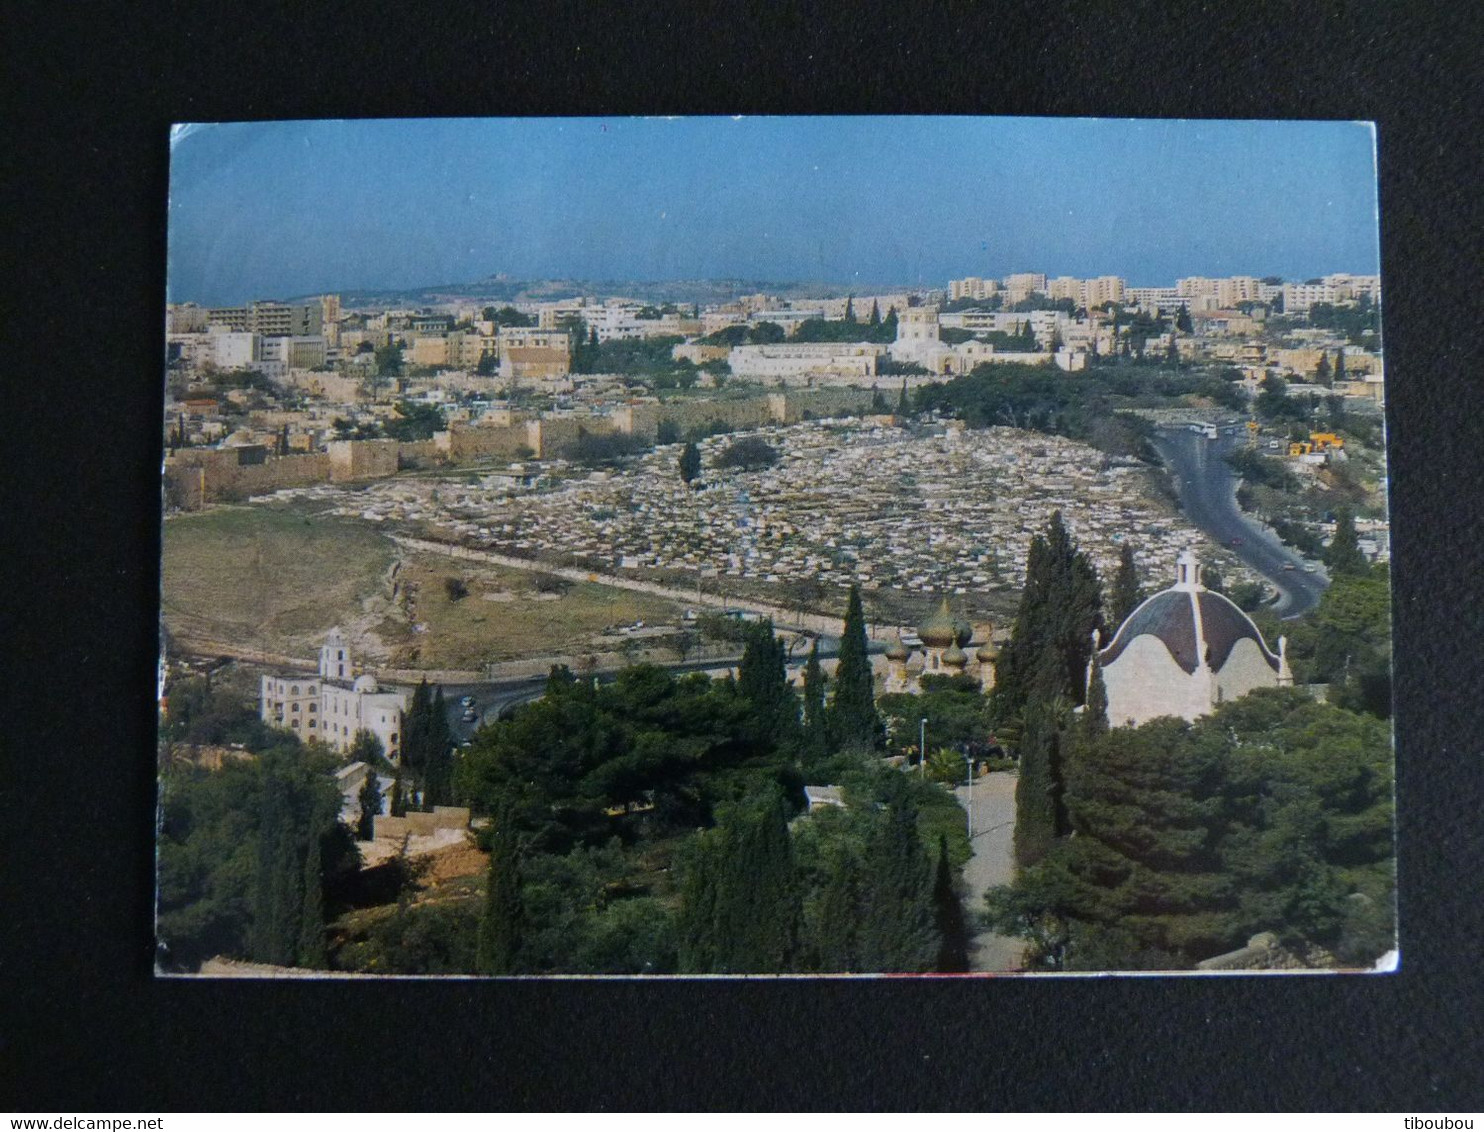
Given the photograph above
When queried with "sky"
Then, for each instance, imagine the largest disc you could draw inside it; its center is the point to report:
(284, 209)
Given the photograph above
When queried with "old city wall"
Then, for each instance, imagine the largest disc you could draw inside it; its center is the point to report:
(195, 477)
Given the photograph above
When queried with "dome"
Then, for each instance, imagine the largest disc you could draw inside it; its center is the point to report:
(987, 652)
(1191, 623)
(896, 650)
(938, 631)
(365, 683)
(955, 657)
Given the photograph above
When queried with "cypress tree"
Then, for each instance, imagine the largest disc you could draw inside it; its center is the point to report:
(875, 319)
(370, 801)
(312, 919)
(1339, 365)
(835, 945)
(898, 930)
(953, 933)
(1321, 371)
(1095, 711)
(849, 308)
(397, 807)
(1038, 788)
(438, 767)
(278, 880)
(690, 462)
(762, 679)
(501, 925)
(416, 729)
(1182, 320)
(697, 920)
(904, 406)
(1127, 593)
(816, 741)
(853, 722)
(757, 897)
(1343, 555)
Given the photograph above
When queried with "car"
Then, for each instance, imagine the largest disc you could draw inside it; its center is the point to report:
(1309, 568)
(1289, 566)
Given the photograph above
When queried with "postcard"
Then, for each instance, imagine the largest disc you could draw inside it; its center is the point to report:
(774, 547)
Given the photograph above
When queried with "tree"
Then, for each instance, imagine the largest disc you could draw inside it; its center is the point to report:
(850, 308)
(312, 916)
(1127, 593)
(417, 730)
(502, 923)
(1182, 320)
(397, 806)
(1095, 710)
(748, 453)
(370, 802)
(897, 929)
(875, 319)
(904, 405)
(762, 680)
(437, 773)
(1211, 579)
(853, 722)
(1038, 789)
(1339, 374)
(1343, 555)
(1051, 641)
(740, 901)
(816, 735)
(953, 934)
(690, 462)
(1321, 371)
(389, 360)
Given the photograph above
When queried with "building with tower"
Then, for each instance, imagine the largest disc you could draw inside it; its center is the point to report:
(334, 704)
(1185, 651)
(941, 652)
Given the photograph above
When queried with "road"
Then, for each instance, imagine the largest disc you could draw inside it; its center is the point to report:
(993, 863)
(1208, 495)
(491, 699)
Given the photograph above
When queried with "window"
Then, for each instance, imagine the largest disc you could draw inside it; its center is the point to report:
(294, 707)
(314, 707)
(294, 690)
(311, 723)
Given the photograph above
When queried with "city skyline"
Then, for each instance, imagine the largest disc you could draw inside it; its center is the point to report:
(294, 208)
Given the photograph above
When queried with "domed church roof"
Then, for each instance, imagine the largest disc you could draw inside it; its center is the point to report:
(939, 631)
(955, 657)
(1192, 622)
(896, 650)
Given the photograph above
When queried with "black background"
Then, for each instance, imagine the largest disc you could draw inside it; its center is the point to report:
(85, 1026)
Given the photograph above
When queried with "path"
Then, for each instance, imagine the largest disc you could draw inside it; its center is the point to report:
(993, 863)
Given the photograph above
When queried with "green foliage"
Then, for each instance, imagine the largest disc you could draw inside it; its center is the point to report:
(369, 799)
(845, 330)
(1039, 816)
(1351, 321)
(815, 737)
(1052, 637)
(201, 714)
(389, 359)
(414, 421)
(1189, 838)
(1343, 555)
(957, 715)
(750, 453)
(1346, 642)
(740, 904)
(690, 462)
(1127, 592)
(1256, 468)
(852, 720)
(602, 449)
(762, 681)
(633, 357)
(502, 921)
(242, 855)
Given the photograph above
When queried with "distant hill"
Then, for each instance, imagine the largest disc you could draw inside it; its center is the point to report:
(499, 289)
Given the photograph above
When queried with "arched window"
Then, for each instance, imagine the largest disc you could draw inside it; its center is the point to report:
(294, 691)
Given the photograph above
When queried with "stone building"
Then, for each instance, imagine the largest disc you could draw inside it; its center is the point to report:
(1184, 651)
(335, 703)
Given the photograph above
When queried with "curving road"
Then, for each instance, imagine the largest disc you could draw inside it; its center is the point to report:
(1208, 496)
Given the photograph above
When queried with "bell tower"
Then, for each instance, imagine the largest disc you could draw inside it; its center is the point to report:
(334, 657)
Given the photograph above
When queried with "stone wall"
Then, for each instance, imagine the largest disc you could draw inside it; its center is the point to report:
(361, 459)
(419, 824)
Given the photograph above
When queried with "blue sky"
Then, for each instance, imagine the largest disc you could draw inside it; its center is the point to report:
(279, 209)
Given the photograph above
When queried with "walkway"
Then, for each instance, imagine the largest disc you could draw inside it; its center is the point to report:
(993, 863)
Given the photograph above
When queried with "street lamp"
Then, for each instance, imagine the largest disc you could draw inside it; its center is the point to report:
(922, 747)
(969, 765)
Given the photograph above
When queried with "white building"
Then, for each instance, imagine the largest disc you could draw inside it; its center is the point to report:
(1184, 651)
(786, 360)
(335, 704)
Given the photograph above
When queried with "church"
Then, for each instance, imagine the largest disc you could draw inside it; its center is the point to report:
(943, 653)
(333, 706)
(1183, 652)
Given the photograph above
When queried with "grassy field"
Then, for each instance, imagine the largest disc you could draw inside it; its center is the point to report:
(265, 577)
(469, 631)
